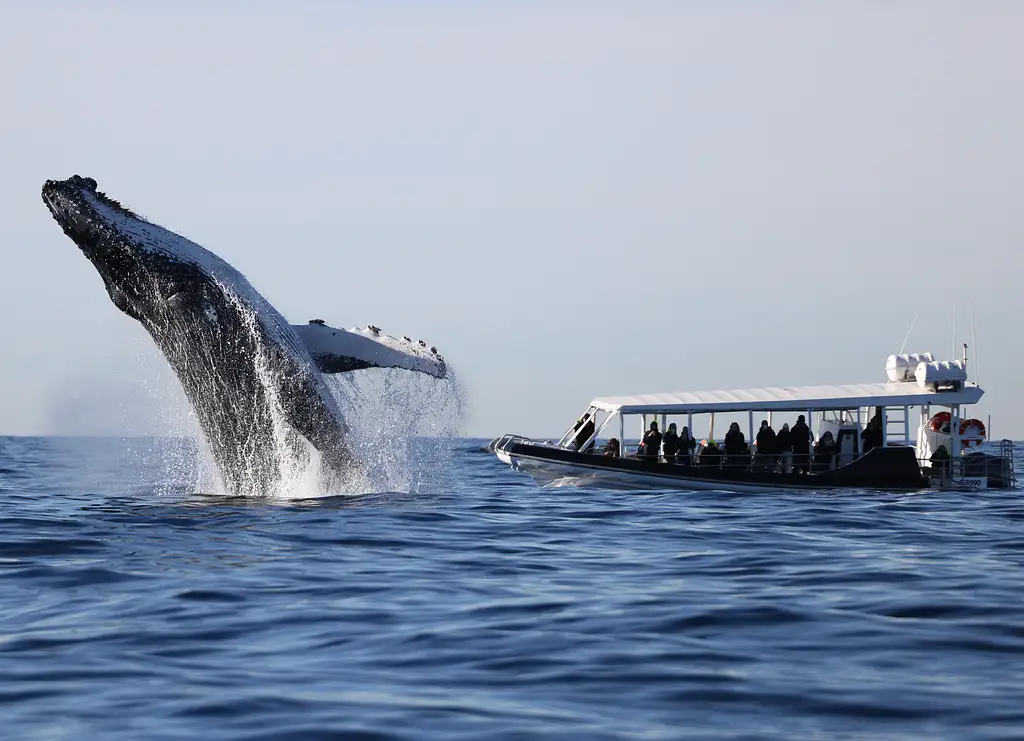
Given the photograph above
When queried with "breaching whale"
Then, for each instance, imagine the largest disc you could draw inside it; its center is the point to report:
(254, 381)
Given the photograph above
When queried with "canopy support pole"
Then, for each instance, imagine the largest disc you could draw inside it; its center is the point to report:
(857, 446)
(954, 438)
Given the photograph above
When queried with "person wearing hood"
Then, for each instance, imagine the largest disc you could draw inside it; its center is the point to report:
(735, 445)
(711, 455)
(872, 435)
(784, 448)
(765, 442)
(670, 443)
(651, 443)
(824, 451)
(800, 437)
(584, 430)
(940, 461)
(687, 444)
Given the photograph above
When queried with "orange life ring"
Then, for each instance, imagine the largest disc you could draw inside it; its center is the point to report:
(940, 422)
(974, 439)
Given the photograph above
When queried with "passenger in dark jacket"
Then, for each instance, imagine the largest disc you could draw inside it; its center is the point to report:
(585, 428)
(940, 460)
(783, 443)
(766, 445)
(734, 440)
(735, 445)
(824, 450)
(784, 448)
(800, 436)
(711, 455)
(651, 443)
(871, 437)
(670, 443)
(686, 446)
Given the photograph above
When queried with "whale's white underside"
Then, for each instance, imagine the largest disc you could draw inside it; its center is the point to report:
(303, 341)
(158, 240)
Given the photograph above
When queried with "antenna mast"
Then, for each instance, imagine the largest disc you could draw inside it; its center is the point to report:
(953, 338)
(974, 341)
(904, 345)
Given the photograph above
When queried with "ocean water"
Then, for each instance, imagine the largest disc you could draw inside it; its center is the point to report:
(479, 606)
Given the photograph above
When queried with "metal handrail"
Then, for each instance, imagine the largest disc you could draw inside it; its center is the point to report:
(1006, 453)
(507, 440)
(745, 459)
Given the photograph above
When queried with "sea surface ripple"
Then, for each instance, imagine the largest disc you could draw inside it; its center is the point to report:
(487, 608)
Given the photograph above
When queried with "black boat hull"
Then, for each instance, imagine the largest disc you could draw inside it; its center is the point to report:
(890, 468)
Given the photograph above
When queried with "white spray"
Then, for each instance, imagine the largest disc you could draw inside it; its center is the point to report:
(401, 426)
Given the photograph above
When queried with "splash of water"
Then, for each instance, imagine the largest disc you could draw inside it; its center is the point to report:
(400, 425)
(296, 462)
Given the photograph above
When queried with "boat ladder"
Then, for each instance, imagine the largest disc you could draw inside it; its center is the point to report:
(897, 426)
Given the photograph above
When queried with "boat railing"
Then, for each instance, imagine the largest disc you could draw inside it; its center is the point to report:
(1006, 453)
(505, 442)
(997, 463)
(749, 460)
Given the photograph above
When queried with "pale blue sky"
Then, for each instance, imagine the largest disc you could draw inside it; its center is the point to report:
(569, 200)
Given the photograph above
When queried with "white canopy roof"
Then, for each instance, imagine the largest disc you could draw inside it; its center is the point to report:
(790, 398)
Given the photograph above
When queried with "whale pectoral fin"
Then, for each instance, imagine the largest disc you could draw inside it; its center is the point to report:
(339, 350)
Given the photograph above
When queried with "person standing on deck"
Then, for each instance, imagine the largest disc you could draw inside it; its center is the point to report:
(585, 428)
(651, 443)
(940, 463)
(735, 445)
(765, 442)
(871, 437)
(801, 439)
(784, 448)
(687, 444)
(670, 443)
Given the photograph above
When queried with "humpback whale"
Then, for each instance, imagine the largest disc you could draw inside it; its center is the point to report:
(254, 381)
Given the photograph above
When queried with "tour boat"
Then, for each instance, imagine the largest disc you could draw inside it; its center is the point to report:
(951, 450)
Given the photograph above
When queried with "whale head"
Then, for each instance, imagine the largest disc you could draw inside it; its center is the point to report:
(151, 273)
(79, 208)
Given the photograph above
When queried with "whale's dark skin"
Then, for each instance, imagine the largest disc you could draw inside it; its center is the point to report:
(236, 357)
